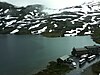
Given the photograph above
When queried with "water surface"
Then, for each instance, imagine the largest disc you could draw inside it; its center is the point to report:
(27, 54)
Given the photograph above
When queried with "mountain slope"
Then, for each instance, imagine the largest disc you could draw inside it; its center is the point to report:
(70, 21)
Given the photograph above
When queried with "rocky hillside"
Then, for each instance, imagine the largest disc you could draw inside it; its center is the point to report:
(69, 21)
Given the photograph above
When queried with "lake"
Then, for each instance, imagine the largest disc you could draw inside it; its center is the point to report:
(27, 54)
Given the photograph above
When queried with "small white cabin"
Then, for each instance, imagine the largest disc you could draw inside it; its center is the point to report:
(62, 59)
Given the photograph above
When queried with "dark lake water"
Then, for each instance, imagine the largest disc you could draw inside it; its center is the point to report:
(27, 54)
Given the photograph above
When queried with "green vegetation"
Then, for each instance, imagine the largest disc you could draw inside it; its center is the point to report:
(96, 68)
(6, 30)
(23, 31)
(52, 34)
(54, 69)
(96, 35)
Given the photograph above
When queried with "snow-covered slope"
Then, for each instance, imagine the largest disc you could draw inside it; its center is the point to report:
(37, 19)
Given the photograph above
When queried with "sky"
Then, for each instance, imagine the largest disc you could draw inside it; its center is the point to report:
(56, 4)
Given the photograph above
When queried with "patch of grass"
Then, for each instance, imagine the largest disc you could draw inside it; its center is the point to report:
(7, 30)
(52, 34)
(23, 31)
(53, 68)
(96, 68)
(96, 35)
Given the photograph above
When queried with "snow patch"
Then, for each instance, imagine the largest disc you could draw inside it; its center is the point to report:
(28, 16)
(9, 23)
(1, 10)
(37, 25)
(35, 11)
(0, 24)
(86, 33)
(55, 25)
(44, 21)
(14, 31)
(60, 19)
(42, 30)
(50, 30)
(8, 17)
(6, 11)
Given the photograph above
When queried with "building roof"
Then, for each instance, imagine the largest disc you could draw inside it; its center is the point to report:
(64, 57)
(81, 49)
(92, 47)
